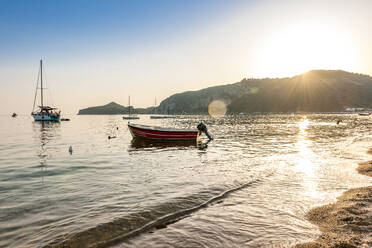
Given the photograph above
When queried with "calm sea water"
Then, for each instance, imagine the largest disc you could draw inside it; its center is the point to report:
(249, 187)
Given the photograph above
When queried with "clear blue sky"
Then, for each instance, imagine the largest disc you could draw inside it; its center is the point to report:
(100, 51)
(65, 28)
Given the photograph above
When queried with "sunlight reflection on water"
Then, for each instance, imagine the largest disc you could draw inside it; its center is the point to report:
(305, 166)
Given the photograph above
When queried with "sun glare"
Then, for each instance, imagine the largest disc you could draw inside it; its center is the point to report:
(304, 47)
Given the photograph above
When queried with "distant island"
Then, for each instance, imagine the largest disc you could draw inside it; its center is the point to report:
(313, 91)
(112, 109)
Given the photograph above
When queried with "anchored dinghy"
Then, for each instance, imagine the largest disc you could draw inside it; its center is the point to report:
(167, 134)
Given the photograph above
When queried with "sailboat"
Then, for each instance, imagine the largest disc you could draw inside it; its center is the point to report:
(44, 113)
(162, 116)
(130, 117)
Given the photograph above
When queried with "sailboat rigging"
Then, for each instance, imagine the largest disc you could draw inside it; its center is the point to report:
(44, 113)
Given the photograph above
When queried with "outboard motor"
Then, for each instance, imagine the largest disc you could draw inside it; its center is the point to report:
(203, 128)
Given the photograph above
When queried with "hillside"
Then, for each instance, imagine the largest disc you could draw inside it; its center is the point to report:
(314, 91)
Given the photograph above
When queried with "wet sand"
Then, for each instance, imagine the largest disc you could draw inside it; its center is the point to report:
(348, 222)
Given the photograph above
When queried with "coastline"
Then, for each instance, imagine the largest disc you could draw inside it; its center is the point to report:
(348, 222)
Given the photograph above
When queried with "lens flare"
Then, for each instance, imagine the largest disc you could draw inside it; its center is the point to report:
(217, 109)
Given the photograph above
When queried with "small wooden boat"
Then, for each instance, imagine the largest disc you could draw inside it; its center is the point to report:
(167, 134)
(164, 134)
(364, 114)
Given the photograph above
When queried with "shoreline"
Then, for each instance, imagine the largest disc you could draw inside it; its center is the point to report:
(348, 222)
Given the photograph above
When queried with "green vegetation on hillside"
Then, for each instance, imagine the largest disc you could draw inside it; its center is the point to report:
(314, 91)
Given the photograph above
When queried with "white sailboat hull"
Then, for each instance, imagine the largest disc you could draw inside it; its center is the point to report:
(46, 117)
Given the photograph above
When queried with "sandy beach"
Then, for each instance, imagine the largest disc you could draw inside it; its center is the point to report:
(348, 222)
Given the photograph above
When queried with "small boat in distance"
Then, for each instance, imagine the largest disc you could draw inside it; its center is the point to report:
(365, 114)
(44, 113)
(167, 134)
(130, 117)
(163, 117)
(14, 115)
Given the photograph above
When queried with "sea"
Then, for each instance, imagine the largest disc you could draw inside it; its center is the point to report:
(250, 187)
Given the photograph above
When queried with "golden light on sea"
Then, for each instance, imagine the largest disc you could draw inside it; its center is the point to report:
(303, 126)
(302, 144)
(217, 109)
(305, 160)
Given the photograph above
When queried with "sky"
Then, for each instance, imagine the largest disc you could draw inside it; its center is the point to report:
(98, 51)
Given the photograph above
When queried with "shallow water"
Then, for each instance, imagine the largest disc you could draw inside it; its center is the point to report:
(249, 187)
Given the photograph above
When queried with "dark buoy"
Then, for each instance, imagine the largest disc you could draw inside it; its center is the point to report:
(117, 128)
(203, 128)
(70, 149)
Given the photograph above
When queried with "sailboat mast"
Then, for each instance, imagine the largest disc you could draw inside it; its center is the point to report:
(155, 107)
(129, 104)
(41, 82)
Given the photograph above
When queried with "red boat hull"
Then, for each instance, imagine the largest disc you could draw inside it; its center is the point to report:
(162, 134)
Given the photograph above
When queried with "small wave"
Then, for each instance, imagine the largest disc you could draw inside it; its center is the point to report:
(357, 148)
(122, 229)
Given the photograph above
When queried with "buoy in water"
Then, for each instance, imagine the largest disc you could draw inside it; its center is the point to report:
(70, 149)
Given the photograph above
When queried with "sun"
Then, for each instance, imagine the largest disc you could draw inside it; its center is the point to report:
(302, 47)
